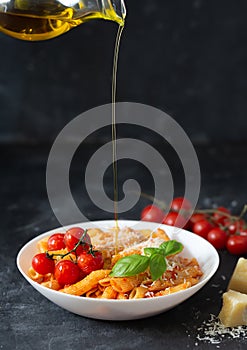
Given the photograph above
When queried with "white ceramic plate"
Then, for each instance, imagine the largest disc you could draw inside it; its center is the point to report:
(194, 246)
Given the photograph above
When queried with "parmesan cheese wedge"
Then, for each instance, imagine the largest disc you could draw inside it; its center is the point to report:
(238, 281)
(234, 309)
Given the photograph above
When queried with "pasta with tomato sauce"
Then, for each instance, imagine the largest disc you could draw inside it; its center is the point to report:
(179, 273)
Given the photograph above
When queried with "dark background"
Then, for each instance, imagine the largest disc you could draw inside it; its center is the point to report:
(188, 58)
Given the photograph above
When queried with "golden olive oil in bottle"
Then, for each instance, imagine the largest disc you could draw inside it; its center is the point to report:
(41, 20)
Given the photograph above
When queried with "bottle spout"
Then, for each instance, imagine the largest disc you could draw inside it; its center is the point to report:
(114, 10)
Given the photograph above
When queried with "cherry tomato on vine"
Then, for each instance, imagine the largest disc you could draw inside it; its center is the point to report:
(217, 237)
(56, 241)
(174, 219)
(152, 213)
(233, 226)
(219, 218)
(67, 272)
(237, 245)
(243, 232)
(89, 262)
(180, 203)
(42, 264)
(72, 237)
(202, 227)
(195, 218)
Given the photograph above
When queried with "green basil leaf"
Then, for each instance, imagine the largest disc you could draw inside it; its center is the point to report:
(150, 251)
(171, 247)
(130, 265)
(157, 266)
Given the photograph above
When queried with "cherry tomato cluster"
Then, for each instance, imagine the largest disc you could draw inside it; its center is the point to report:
(66, 272)
(218, 226)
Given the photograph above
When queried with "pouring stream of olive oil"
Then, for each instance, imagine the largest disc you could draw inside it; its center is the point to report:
(114, 134)
(35, 20)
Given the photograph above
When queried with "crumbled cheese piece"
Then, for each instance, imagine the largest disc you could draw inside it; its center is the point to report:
(238, 281)
(234, 309)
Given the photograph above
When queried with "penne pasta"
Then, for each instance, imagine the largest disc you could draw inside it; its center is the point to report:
(35, 276)
(126, 284)
(174, 289)
(109, 293)
(161, 234)
(138, 292)
(116, 257)
(122, 296)
(92, 293)
(42, 245)
(105, 282)
(52, 284)
(87, 283)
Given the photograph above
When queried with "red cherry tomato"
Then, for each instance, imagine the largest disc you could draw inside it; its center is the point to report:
(243, 232)
(202, 228)
(42, 264)
(67, 272)
(195, 218)
(233, 226)
(174, 219)
(152, 213)
(237, 245)
(89, 262)
(72, 237)
(217, 238)
(219, 218)
(56, 241)
(180, 203)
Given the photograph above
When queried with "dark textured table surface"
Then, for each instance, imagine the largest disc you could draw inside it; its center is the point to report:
(29, 321)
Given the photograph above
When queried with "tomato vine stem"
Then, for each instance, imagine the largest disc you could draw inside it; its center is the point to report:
(80, 242)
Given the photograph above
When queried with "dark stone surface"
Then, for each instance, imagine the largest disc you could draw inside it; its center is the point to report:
(29, 321)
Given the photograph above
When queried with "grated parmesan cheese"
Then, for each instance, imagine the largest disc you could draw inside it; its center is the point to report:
(214, 332)
(106, 239)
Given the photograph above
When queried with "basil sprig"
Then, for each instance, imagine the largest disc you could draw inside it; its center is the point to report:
(154, 259)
